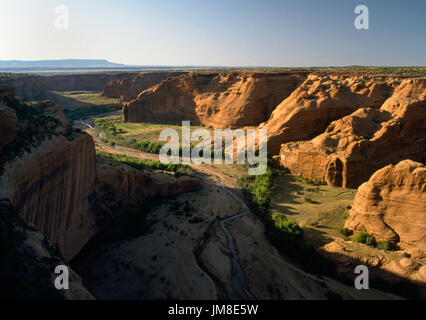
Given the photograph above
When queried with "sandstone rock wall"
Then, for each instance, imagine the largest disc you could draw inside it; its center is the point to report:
(219, 100)
(354, 147)
(392, 205)
(320, 100)
(117, 184)
(128, 88)
(53, 188)
(29, 261)
(47, 171)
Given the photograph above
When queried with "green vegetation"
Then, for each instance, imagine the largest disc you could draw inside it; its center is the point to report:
(310, 181)
(285, 234)
(284, 229)
(346, 232)
(384, 245)
(261, 189)
(84, 113)
(126, 134)
(178, 169)
(360, 237)
(365, 238)
(87, 97)
(256, 189)
(110, 129)
(370, 241)
(140, 131)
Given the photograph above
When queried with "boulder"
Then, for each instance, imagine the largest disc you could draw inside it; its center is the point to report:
(391, 206)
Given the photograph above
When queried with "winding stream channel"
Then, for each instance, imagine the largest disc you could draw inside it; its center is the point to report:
(238, 277)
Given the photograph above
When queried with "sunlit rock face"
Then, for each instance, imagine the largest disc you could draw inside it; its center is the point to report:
(391, 206)
(128, 88)
(219, 100)
(352, 148)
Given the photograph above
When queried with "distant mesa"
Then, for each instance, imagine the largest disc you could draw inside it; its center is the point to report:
(61, 63)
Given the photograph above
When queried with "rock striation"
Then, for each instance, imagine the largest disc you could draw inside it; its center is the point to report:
(319, 100)
(48, 174)
(117, 184)
(219, 100)
(29, 261)
(355, 146)
(128, 88)
(391, 206)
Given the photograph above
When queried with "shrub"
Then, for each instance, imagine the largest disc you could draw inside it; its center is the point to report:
(365, 238)
(346, 232)
(384, 245)
(286, 226)
(360, 237)
(283, 233)
(179, 169)
(370, 241)
(310, 181)
(261, 189)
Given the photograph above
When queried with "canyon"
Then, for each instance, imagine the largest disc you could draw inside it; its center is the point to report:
(50, 177)
(349, 130)
(333, 127)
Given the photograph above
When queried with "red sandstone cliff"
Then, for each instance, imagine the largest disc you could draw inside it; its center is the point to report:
(320, 100)
(117, 184)
(128, 88)
(354, 147)
(48, 174)
(392, 205)
(219, 100)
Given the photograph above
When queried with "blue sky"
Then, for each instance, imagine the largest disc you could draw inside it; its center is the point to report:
(227, 33)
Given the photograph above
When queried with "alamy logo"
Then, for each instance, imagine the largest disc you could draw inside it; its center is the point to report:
(62, 19)
(62, 280)
(362, 20)
(223, 147)
(362, 281)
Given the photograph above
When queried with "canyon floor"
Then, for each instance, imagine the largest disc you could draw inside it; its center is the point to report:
(183, 258)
